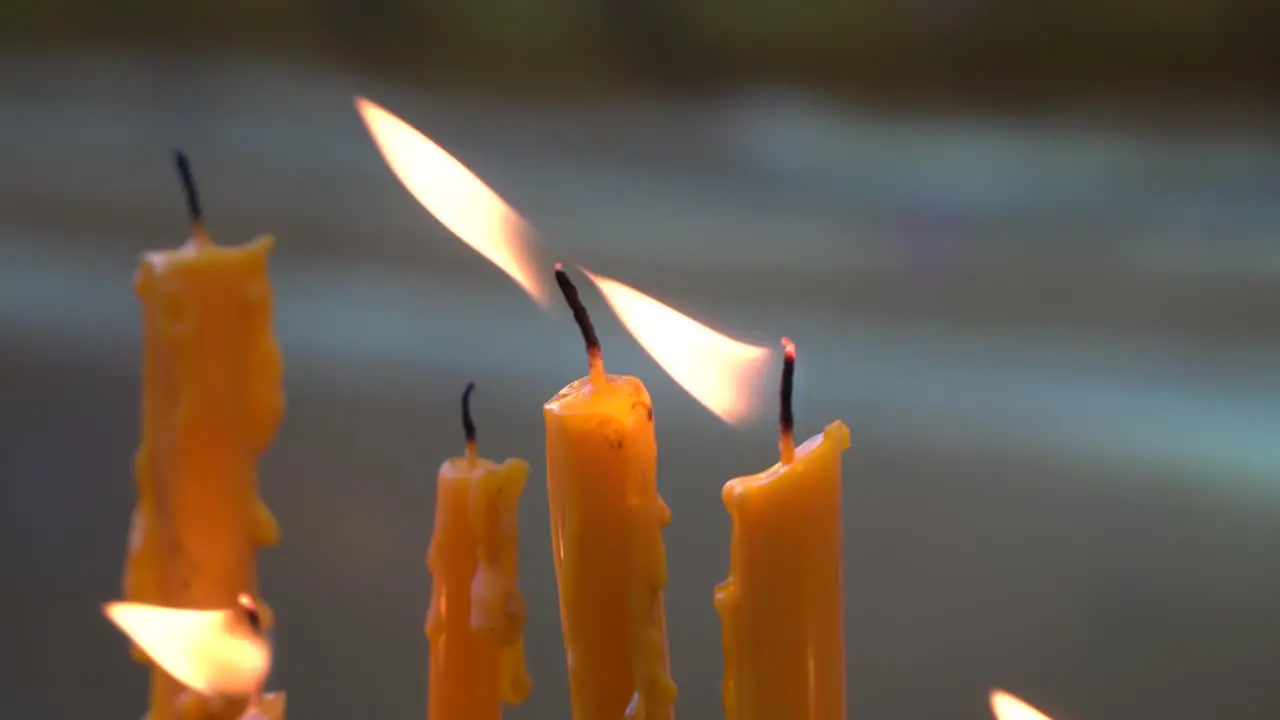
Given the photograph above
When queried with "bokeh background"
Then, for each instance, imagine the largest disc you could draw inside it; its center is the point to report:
(1029, 252)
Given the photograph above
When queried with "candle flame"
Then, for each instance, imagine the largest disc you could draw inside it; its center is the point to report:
(1006, 706)
(722, 373)
(209, 651)
(462, 202)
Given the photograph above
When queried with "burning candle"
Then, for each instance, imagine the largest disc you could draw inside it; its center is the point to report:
(782, 606)
(606, 539)
(221, 654)
(212, 399)
(475, 623)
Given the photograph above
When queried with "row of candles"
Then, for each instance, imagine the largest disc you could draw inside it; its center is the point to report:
(213, 398)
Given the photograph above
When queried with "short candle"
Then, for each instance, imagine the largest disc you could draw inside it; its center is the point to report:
(782, 606)
(475, 623)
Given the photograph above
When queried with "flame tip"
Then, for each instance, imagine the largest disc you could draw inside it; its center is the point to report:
(723, 374)
(456, 197)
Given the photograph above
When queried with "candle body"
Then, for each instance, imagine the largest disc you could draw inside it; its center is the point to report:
(606, 538)
(476, 620)
(212, 398)
(782, 606)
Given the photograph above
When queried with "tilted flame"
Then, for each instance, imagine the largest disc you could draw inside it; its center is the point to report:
(209, 651)
(462, 202)
(723, 374)
(1006, 706)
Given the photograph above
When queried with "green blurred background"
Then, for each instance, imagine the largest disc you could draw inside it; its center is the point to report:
(1030, 252)
(1072, 52)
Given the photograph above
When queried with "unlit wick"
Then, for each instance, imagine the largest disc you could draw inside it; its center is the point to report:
(194, 211)
(469, 426)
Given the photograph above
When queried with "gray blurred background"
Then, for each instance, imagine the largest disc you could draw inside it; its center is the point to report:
(1029, 253)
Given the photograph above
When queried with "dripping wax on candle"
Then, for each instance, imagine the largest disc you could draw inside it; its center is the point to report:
(212, 400)
(475, 623)
(782, 605)
(606, 538)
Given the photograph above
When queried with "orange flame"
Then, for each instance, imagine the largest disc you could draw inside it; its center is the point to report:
(462, 202)
(723, 374)
(209, 651)
(1006, 706)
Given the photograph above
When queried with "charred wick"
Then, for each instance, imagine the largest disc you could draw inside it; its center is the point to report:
(188, 186)
(580, 315)
(468, 426)
(785, 417)
(250, 608)
(255, 620)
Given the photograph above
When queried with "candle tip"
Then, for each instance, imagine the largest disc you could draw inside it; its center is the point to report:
(468, 426)
(789, 348)
(188, 185)
(580, 315)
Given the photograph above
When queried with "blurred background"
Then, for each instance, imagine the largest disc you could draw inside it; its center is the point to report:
(1029, 252)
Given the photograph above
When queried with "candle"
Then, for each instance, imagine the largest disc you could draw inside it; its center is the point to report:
(782, 606)
(606, 538)
(212, 398)
(475, 623)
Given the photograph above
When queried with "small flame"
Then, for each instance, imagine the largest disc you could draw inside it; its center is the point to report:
(462, 202)
(721, 373)
(1006, 706)
(206, 650)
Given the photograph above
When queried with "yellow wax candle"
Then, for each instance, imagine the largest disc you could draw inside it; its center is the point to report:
(212, 398)
(782, 606)
(476, 620)
(606, 538)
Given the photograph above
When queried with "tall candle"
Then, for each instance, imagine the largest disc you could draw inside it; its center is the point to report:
(782, 606)
(606, 539)
(212, 398)
(476, 620)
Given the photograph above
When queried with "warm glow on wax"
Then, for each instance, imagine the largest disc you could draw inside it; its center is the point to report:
(209, 651)
(462, 202)
(721, 373)
(1006, 706)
